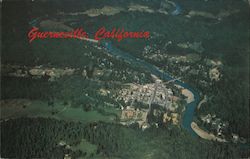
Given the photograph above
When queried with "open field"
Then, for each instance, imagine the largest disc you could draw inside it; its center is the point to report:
(25, 108)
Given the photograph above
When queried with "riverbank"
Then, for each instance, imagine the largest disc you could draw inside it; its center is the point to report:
(204, 100)
(205, 135)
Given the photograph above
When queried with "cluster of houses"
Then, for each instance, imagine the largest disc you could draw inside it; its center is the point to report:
(143, 94)
(220, 127)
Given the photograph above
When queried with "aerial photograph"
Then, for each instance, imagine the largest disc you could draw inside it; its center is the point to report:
(124, 79)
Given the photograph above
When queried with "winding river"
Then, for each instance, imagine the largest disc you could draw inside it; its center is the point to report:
(190, 108)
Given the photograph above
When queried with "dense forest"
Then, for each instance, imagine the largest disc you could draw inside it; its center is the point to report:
(40, 138)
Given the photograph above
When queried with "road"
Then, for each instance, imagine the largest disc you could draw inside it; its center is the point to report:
(190, 107)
